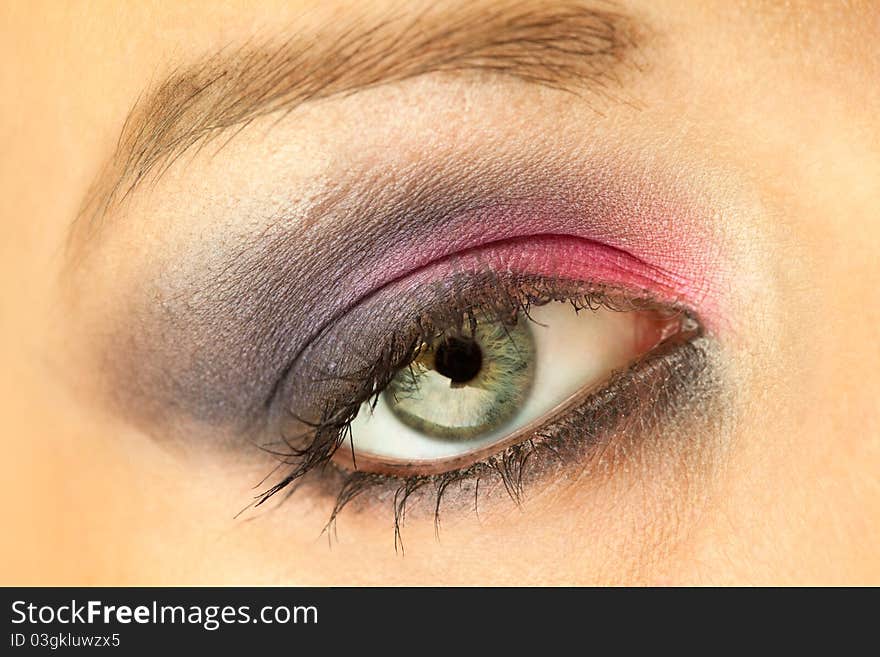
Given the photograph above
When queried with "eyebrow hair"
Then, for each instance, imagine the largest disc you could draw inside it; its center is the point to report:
(568, 46)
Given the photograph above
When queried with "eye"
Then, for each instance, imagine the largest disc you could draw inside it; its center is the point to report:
(449, 376)
(475, 389)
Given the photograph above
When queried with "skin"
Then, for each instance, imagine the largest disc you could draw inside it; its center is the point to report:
(769, 109)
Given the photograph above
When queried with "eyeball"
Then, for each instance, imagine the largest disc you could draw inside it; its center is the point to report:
(472, 389)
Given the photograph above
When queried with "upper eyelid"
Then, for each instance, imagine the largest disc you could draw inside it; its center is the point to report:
(568, 46)
(234, 310)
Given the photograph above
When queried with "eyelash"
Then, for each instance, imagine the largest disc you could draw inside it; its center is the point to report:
(672, 364)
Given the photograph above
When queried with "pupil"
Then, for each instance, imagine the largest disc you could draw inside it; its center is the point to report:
(459, 360)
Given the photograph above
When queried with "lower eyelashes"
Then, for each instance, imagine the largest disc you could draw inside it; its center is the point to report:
(423, 392)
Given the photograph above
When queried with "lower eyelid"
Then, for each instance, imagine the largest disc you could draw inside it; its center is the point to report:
(573, 443)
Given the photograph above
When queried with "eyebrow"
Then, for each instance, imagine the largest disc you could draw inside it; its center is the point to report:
(568, 46)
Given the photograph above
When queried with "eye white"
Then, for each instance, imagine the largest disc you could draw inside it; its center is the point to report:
(572, 350)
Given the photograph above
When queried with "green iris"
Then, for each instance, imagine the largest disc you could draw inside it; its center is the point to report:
(466, 385)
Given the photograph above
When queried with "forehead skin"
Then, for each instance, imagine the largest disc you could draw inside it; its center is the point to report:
(783, 93)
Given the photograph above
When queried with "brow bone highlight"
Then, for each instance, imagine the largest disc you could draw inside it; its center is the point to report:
(568, 46)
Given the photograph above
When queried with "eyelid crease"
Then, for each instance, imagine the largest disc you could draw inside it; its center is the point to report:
(205, 331)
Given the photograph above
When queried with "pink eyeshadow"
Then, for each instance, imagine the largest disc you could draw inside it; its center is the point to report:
(671, 260)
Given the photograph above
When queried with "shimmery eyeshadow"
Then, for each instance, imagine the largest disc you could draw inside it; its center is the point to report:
(216, 335)
(535, 232)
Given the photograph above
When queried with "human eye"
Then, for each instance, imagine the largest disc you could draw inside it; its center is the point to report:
(462, 376)
(492, 378)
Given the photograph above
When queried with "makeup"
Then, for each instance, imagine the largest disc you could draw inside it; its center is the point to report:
(268, 330)
(233, 320)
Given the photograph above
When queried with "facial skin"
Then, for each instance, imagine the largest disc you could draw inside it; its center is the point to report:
(742, 141)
